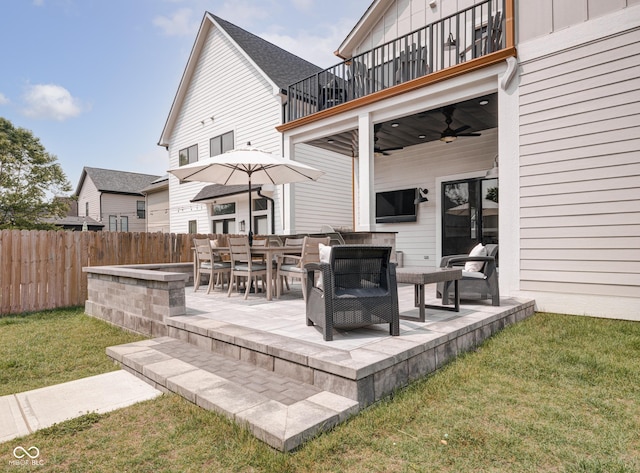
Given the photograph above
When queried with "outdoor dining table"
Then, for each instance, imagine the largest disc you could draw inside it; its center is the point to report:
(268, 252)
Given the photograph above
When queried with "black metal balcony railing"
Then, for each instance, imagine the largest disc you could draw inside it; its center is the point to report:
(467, 34)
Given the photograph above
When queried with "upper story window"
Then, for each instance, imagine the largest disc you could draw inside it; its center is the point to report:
(86, 209)
(221, 144)
(140, 210)
(260, 204)
(188, 155)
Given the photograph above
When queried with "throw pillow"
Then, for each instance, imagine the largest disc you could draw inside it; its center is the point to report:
(325, 257)
(325, 253)
(476, 266)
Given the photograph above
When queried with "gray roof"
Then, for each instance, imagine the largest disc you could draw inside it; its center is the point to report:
(116, 182)
(74, 221)
(157, 185)
(282, 67)
(217, 190)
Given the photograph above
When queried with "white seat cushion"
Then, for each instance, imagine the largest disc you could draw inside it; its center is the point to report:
(473, 274)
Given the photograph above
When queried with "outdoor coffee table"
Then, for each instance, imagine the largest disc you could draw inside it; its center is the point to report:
(419, 277)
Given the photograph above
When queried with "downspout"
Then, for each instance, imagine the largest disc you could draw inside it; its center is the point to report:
(285, 100)
(273, 210)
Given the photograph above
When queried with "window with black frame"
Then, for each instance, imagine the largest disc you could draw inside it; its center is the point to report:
(221, 144)
(221, 221)
(140, 209)
(188, 155)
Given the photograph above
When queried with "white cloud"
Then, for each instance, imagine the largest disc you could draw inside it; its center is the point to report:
(3, 99)
(154, 161)
(180, 23)
(243, 13)
(50, 101)
(303, 5)
(315, 49)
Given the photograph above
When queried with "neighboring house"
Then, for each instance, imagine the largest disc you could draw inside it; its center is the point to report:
(77, 224)
(71, 221)
(157, 205)
(443, 96)
(113, 198)
(233, 91)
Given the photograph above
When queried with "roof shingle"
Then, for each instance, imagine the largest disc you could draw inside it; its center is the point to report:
(282, 67)
(118, 182)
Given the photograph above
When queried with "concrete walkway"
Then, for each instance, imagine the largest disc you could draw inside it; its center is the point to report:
(24, 413)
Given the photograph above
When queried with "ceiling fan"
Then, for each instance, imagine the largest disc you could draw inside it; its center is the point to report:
(377, 149)
(449, 135)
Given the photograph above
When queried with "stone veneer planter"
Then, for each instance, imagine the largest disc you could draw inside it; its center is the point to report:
(138, 297)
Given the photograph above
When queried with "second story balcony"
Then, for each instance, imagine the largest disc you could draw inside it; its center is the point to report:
(467, 35)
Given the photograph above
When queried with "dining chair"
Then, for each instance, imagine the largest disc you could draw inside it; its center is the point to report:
(289, 242)
(207, 262)
(293, 266)
(242, 265)
(259, 243)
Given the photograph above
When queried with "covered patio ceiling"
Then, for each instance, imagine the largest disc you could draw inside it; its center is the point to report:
(419, 128)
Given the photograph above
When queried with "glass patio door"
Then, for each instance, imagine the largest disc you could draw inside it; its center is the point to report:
(469, 214)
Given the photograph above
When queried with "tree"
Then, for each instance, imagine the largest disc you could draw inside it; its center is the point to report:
(30, 179)
(492, 194)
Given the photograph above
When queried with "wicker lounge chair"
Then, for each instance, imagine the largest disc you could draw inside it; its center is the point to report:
(358, 289)
(482, 284)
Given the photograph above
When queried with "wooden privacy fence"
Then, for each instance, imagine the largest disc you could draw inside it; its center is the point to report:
(43, 269)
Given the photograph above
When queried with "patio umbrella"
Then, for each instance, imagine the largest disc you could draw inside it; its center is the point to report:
(246, 165)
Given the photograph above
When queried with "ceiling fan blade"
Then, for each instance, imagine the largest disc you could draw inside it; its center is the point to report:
(469, 134)
(383, 152)
(462, 128)
(392, 149)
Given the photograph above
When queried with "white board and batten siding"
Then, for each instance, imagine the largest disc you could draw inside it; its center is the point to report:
(404, 16)
(327, 201)
(580, 177)
(426, 166)
(225, 94)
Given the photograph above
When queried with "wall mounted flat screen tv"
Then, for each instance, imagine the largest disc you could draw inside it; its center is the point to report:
(396, 206)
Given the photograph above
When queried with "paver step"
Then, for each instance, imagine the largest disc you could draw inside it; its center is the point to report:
(281, 411)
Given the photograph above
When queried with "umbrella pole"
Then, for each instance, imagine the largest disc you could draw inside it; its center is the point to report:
(250, 218)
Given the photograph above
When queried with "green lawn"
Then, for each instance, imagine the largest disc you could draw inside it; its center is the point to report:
(55, 346)
(553, 393)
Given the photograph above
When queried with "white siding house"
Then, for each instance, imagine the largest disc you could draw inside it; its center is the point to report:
(157, 205)
(232, 88)
(113, 198)
(546, 91)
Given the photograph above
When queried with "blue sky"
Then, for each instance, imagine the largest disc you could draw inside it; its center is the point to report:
(94, 79)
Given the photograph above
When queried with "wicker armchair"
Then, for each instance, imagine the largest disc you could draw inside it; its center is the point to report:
(358, 289)
(481, 284)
